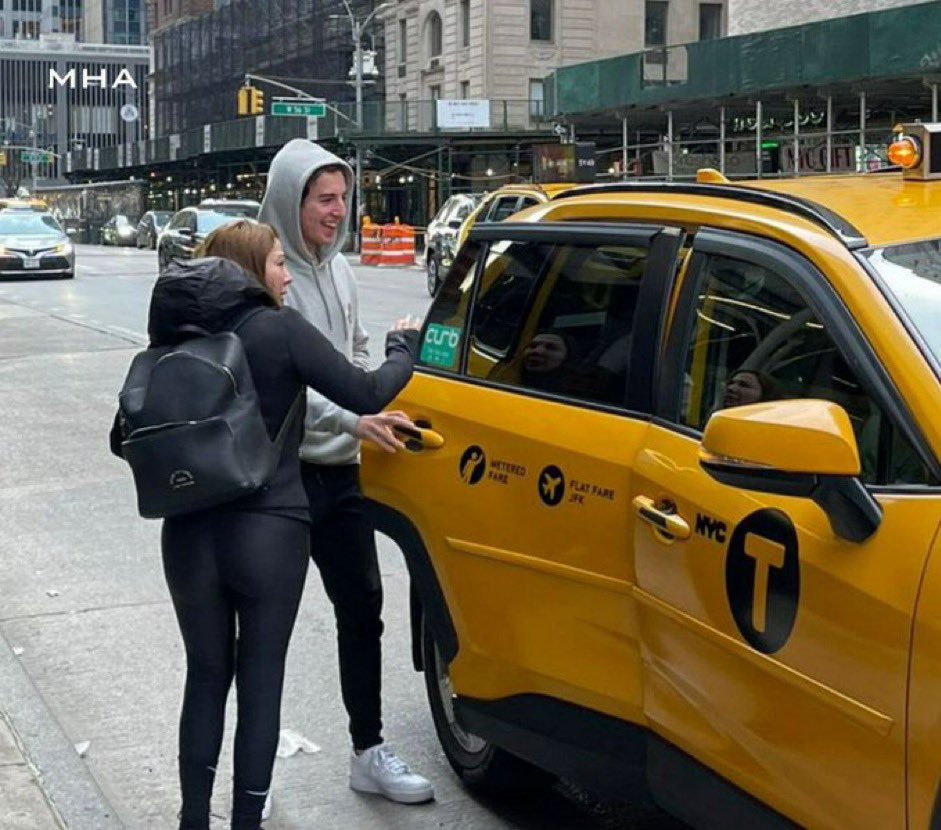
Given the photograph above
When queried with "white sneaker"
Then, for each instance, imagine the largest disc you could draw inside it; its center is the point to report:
(266, 810)
(379, 770)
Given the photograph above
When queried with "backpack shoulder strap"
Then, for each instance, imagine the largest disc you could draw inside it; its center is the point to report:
(289, 419)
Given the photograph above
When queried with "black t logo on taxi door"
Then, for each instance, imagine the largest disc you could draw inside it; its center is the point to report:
(762, 579)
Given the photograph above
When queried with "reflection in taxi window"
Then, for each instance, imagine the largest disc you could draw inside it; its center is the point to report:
(557, 318)
(913, 274)
(755, 339)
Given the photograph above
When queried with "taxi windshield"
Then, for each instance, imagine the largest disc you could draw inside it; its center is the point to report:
(912, 273)
(27, 223)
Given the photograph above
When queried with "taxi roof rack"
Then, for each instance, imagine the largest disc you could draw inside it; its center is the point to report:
(819, 215)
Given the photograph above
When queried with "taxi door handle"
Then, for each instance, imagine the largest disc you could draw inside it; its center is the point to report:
(420, 438)
(662, 516)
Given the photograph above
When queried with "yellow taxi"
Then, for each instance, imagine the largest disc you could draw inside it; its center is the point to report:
(672, 511)
(23, 204)
(510, 199)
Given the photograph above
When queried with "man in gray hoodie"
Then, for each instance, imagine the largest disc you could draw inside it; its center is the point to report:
(306, 202)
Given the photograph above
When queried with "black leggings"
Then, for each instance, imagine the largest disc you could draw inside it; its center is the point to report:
(236, 581)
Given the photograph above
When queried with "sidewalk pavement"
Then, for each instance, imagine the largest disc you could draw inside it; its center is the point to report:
(23, 802)
(44, 783)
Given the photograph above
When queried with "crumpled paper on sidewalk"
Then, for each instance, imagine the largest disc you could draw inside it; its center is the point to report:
(291, 742)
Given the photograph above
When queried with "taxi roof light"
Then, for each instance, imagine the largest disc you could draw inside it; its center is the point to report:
(905, 152)
(917, 150)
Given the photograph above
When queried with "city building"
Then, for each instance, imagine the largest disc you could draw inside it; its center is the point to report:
(59, 95)
(200, 61)
(471, 73)
(817, 97)
(163, 13)
(30, 18)
(820, 96)
(504, 49)
(759, 15)
(115, 21)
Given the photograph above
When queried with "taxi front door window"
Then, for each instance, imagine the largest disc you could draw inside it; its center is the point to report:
(755, 339)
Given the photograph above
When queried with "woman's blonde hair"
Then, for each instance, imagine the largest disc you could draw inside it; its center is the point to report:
(245, 242)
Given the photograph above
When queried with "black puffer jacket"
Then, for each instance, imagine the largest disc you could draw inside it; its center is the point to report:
(285, 354)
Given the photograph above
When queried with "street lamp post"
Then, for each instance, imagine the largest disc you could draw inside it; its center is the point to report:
(357, 27)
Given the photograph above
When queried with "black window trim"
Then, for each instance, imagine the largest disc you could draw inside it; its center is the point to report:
(823, 301)
(662, 243)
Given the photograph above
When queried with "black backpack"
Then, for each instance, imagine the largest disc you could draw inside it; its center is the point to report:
(192, 429)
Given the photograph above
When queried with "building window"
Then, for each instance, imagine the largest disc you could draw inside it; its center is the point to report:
(435, 92)
(537, 98)
(465, 23)
(655, 23)
(433, 34)
(540, 19)
(465, 90)
(403, 41)
(710, 21)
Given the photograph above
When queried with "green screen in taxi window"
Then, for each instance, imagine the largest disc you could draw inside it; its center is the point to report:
(446, 320)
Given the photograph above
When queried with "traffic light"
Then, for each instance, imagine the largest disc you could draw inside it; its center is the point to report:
(251, 101)
(257, 101)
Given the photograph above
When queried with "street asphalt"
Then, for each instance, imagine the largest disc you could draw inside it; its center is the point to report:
(91, 663)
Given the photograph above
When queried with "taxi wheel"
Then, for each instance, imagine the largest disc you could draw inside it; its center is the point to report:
(481, 765)
(431, 269)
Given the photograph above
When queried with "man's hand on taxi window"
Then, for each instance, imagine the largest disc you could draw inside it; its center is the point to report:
(378, 429)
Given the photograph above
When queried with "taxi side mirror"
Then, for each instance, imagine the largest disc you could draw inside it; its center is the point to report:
(804, 448)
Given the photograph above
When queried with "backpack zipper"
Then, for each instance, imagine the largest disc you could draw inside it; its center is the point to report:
(215, 366)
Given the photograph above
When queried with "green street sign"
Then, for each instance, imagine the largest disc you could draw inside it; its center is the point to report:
(35, 156)
(310, 109)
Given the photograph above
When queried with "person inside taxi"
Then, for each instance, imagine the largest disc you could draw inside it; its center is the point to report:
(747, 386)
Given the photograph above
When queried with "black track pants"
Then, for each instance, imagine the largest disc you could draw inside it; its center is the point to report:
(343, 545)
(236, 581)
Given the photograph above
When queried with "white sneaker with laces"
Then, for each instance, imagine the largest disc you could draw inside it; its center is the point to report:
(266, 810)
(379, 770)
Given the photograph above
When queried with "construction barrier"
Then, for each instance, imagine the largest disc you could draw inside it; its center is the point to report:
(398, 245)
(371, 248)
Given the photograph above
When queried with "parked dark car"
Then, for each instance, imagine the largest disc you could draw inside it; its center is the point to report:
(441, 238)
(191, 225)
(151, 226)
(33, 244)
(119, 230)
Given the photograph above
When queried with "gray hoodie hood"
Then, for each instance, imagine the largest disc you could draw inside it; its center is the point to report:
(290, 170)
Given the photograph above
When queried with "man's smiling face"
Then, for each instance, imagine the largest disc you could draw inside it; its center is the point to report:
(323, 210)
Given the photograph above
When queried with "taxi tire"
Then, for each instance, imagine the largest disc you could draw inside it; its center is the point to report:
(432, 271)
(489, 770)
